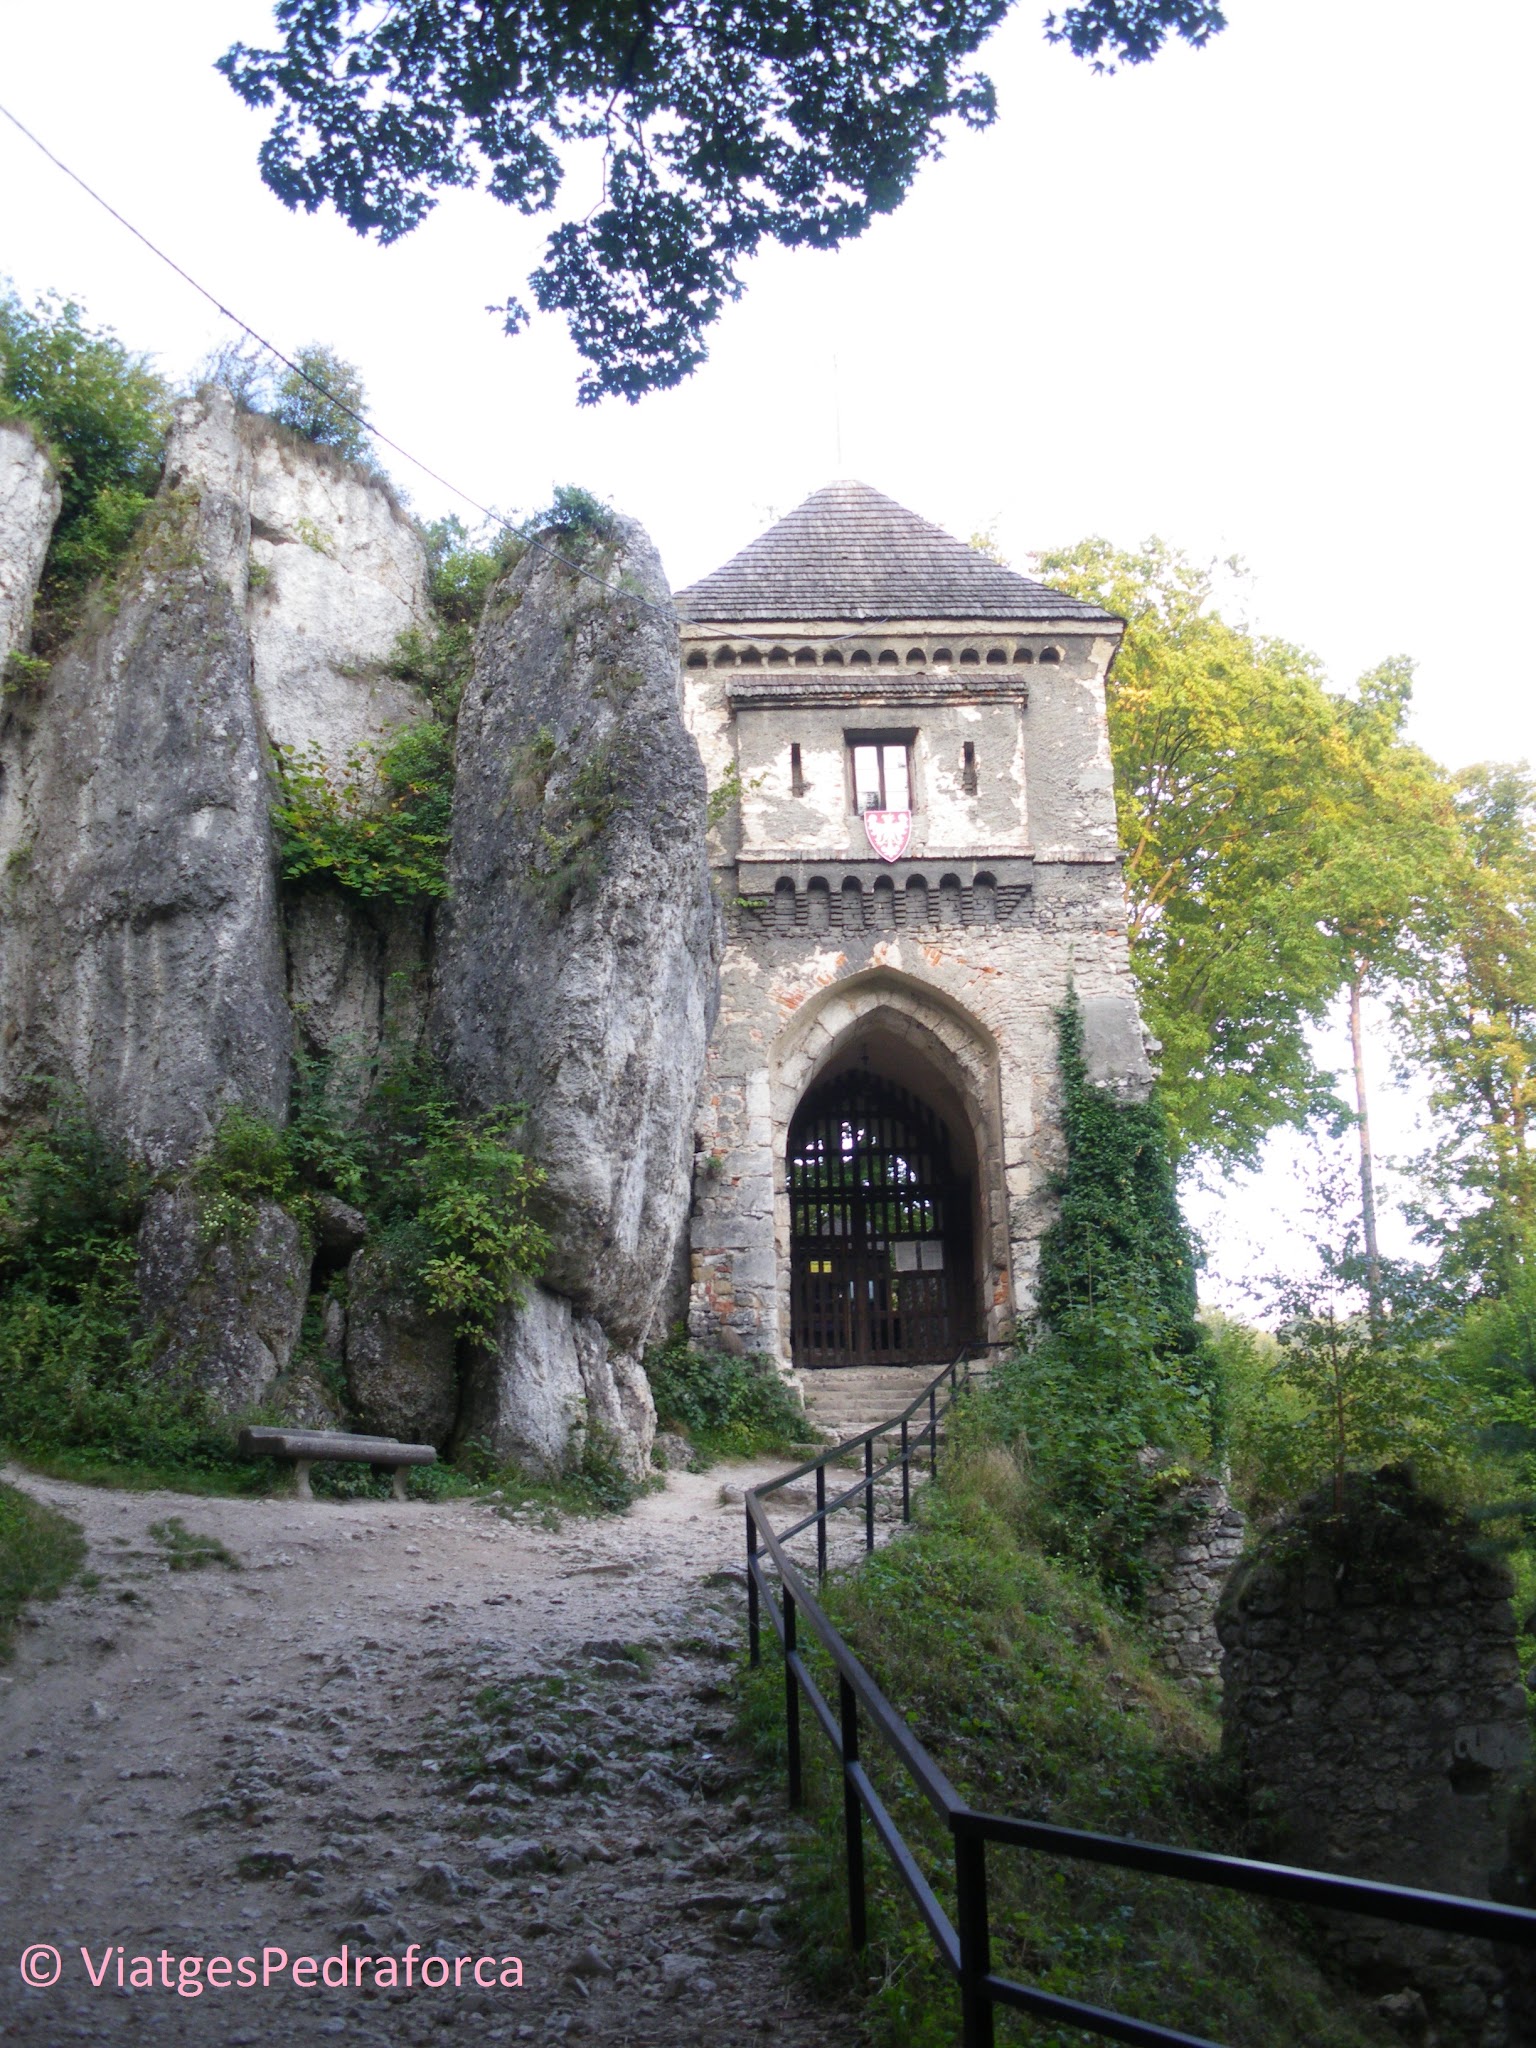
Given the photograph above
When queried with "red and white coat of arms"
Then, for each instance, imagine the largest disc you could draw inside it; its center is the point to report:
(889, 832)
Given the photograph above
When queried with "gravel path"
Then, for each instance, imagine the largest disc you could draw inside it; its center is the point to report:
(432, 1724)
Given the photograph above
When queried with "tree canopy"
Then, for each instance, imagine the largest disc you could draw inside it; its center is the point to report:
(1468, 1013)
(1281, 841)
(717, 129)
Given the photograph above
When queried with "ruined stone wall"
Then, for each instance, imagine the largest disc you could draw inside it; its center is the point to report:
(1373, 1708)
(1188, 1566)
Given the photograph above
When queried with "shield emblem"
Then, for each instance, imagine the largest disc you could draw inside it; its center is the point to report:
(888, 832)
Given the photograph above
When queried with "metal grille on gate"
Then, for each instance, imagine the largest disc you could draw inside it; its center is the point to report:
(880, 1229)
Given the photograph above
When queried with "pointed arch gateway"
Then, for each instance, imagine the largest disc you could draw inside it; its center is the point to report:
(892, 1232)
(882, 1260)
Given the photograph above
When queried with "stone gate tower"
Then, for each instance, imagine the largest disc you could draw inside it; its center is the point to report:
(917, 857)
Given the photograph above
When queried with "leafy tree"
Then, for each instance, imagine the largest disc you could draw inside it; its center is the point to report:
(324, 415)
(1387, 838)
(1469, 1015)
(103, 413)
(719, 129)
(1221, 749)
(1362, 1352)
(1283, 844)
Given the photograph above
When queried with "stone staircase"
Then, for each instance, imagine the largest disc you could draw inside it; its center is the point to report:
(849, 1399)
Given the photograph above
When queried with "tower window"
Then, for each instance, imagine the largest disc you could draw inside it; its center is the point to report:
(796, 770)
(880, 765)
(968, 769)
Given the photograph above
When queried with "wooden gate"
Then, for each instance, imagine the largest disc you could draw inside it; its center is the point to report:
(880, 1220)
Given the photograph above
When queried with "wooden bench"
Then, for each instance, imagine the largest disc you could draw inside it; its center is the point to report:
(306, 1446)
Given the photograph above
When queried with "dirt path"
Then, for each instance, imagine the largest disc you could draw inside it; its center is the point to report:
(394, 1724)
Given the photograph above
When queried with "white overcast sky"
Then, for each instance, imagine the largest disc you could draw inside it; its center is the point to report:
(1270, 298)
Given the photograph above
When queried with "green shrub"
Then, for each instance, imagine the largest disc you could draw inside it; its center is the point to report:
(726, 1407)
(78, 1378)
(439, 659)
(319, 414)
(574, 516)
(1105, 1424)
(450, 1198)
(104, 414)
(249, 1161)
(379, 826)
(40, 1552)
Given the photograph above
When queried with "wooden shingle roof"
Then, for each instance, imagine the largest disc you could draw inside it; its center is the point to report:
(850, 552)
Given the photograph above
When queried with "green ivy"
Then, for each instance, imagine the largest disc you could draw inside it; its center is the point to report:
(1114, 1392)
(378, 826)
(1120, 1241)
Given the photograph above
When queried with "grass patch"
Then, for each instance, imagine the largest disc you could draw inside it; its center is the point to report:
(188, 1551)
(726, 1407)
(40, 1552)
(1037, 1698)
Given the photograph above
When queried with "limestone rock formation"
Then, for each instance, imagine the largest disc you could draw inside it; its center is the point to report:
(356, 973)
(227, 1312)
(548, 1376)
(148, 963)
(29, 505)
(578, 958)
(401, 1358)
(338, 573)
(142, 960)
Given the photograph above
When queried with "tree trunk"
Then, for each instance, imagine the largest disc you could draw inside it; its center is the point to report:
(1367, 1163)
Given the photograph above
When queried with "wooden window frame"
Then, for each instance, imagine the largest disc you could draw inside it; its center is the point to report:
(904, 737)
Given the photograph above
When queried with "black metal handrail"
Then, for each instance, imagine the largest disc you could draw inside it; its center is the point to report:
(965, 1949)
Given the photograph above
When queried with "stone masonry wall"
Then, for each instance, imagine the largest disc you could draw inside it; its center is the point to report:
(957, 957)
(1188, 1568)
(1373, 1708)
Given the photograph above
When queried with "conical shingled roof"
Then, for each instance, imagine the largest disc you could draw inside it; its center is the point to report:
(850, 552)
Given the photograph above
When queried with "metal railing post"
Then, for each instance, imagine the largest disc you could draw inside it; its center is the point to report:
(754, 1636)
(821, 1522)
(906, 1474)
(976, 2017)
(853, 1819)
(869, 1493)
(933, 1433)
(792, 1704)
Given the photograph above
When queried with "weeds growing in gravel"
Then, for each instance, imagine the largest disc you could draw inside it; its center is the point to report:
(40, 1552)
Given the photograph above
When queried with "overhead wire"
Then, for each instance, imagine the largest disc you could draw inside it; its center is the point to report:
(496, 518)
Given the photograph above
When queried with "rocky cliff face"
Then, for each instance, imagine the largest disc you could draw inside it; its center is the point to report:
(149, 960)
(338, 574)
(142, 959)
(578, 966)
(29, 504)
(578, 963)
